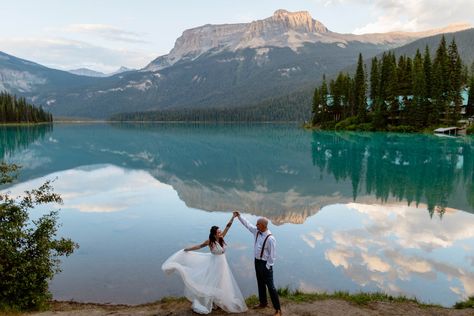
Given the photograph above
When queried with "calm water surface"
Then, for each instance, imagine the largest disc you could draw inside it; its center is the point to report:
(350, 211)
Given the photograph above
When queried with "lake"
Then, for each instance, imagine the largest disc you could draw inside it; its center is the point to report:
(350, 211)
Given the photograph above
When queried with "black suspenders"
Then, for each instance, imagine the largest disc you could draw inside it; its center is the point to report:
(264, 242)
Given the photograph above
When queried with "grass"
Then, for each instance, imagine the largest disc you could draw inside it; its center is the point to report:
(297, 296)
(360, 298)
(171, 299)
(469, 303)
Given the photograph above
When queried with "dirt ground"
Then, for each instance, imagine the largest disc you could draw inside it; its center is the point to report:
(324, 307)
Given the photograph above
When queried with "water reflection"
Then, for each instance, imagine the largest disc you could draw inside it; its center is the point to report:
(279, 171)
(127, 223)
(411, 168)
(396, 250)
(14, 138)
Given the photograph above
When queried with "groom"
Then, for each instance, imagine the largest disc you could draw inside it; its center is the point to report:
(264, 253)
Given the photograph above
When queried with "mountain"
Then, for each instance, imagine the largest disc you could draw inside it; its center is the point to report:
(121, 70)
(26, 78)
(226, 66)
(284, 29)
(464, 41)
(92, 73)
(87, 72)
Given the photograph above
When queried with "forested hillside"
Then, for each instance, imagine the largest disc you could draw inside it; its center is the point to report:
(17, 110)
(400, 94)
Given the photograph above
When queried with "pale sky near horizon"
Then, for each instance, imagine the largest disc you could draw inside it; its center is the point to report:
(106, 34)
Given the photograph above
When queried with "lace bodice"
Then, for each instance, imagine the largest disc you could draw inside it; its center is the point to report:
(217, 249)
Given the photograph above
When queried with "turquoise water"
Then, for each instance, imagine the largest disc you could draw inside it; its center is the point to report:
(350, 211)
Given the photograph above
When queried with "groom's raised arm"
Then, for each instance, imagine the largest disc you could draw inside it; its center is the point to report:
(252, 228)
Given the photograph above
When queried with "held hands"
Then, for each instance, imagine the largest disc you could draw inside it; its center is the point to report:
(235, 214)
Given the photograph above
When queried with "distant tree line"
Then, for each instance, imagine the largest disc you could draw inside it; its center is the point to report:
(17, 110)
(405, 94)
(281, 109)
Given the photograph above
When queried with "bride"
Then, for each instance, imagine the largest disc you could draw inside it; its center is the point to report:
(207, 276)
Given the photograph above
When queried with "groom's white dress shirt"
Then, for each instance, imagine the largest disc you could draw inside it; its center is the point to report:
(269, 251)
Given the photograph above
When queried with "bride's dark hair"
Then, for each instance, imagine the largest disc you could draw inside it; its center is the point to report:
(213, 239)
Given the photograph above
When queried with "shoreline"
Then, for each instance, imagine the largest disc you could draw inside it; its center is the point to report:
(293, 303)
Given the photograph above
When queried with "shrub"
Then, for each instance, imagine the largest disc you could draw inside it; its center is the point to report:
(29, 251)
(470, 129)
(402, 129)
(365, 127)
(347, 123)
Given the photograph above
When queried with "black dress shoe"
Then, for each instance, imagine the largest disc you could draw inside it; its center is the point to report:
(260, 306)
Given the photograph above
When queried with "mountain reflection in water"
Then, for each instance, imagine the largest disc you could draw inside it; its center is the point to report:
(279, 171)
(354, 211)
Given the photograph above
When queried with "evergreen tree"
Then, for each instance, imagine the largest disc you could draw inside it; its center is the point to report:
(417, 114)
(374, 80)
(441, 83)
(360, 90)
(316, 118)
(470, 100)
(455, 81)
(323, 93)
(13, 110)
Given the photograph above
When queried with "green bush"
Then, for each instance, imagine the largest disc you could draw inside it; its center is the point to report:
(328, 125)
(470, 130)
(469, 303)
(402, 129)
(347, 123)
(29, 250)
(365, 127)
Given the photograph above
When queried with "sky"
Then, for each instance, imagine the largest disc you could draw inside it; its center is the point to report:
(105, 34)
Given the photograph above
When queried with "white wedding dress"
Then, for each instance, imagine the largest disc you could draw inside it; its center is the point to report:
(207, 279)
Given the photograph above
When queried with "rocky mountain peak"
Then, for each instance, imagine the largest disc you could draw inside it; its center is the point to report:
(300, 20)
(283, 29)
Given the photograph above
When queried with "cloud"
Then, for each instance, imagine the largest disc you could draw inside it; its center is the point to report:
(339, 257)
(395, 244)
(107, 32)
(375, 263)
(313, 237)
(99, 189)
(408, 15)
(66, 54)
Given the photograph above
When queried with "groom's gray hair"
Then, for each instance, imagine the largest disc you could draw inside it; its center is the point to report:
(263, 220)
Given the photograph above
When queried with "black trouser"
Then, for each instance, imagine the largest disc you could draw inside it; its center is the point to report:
(264, 280)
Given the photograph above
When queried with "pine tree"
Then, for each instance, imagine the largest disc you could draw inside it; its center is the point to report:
(374, 81)
(316, 118)
(455, 81)
(323, 94)
(441, 83)
(470, 100)
(418, 111)
(360, 90)
(427, 67)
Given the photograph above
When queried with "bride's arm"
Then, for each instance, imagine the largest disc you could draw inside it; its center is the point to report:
(227, 227)
(204, 244)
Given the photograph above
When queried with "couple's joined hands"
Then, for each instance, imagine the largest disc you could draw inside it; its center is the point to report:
(206, 243)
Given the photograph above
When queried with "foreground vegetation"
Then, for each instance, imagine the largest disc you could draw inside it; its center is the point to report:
(406, 96)
(360, 298)
(13, 110)
(293, 302)
(29, 250)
